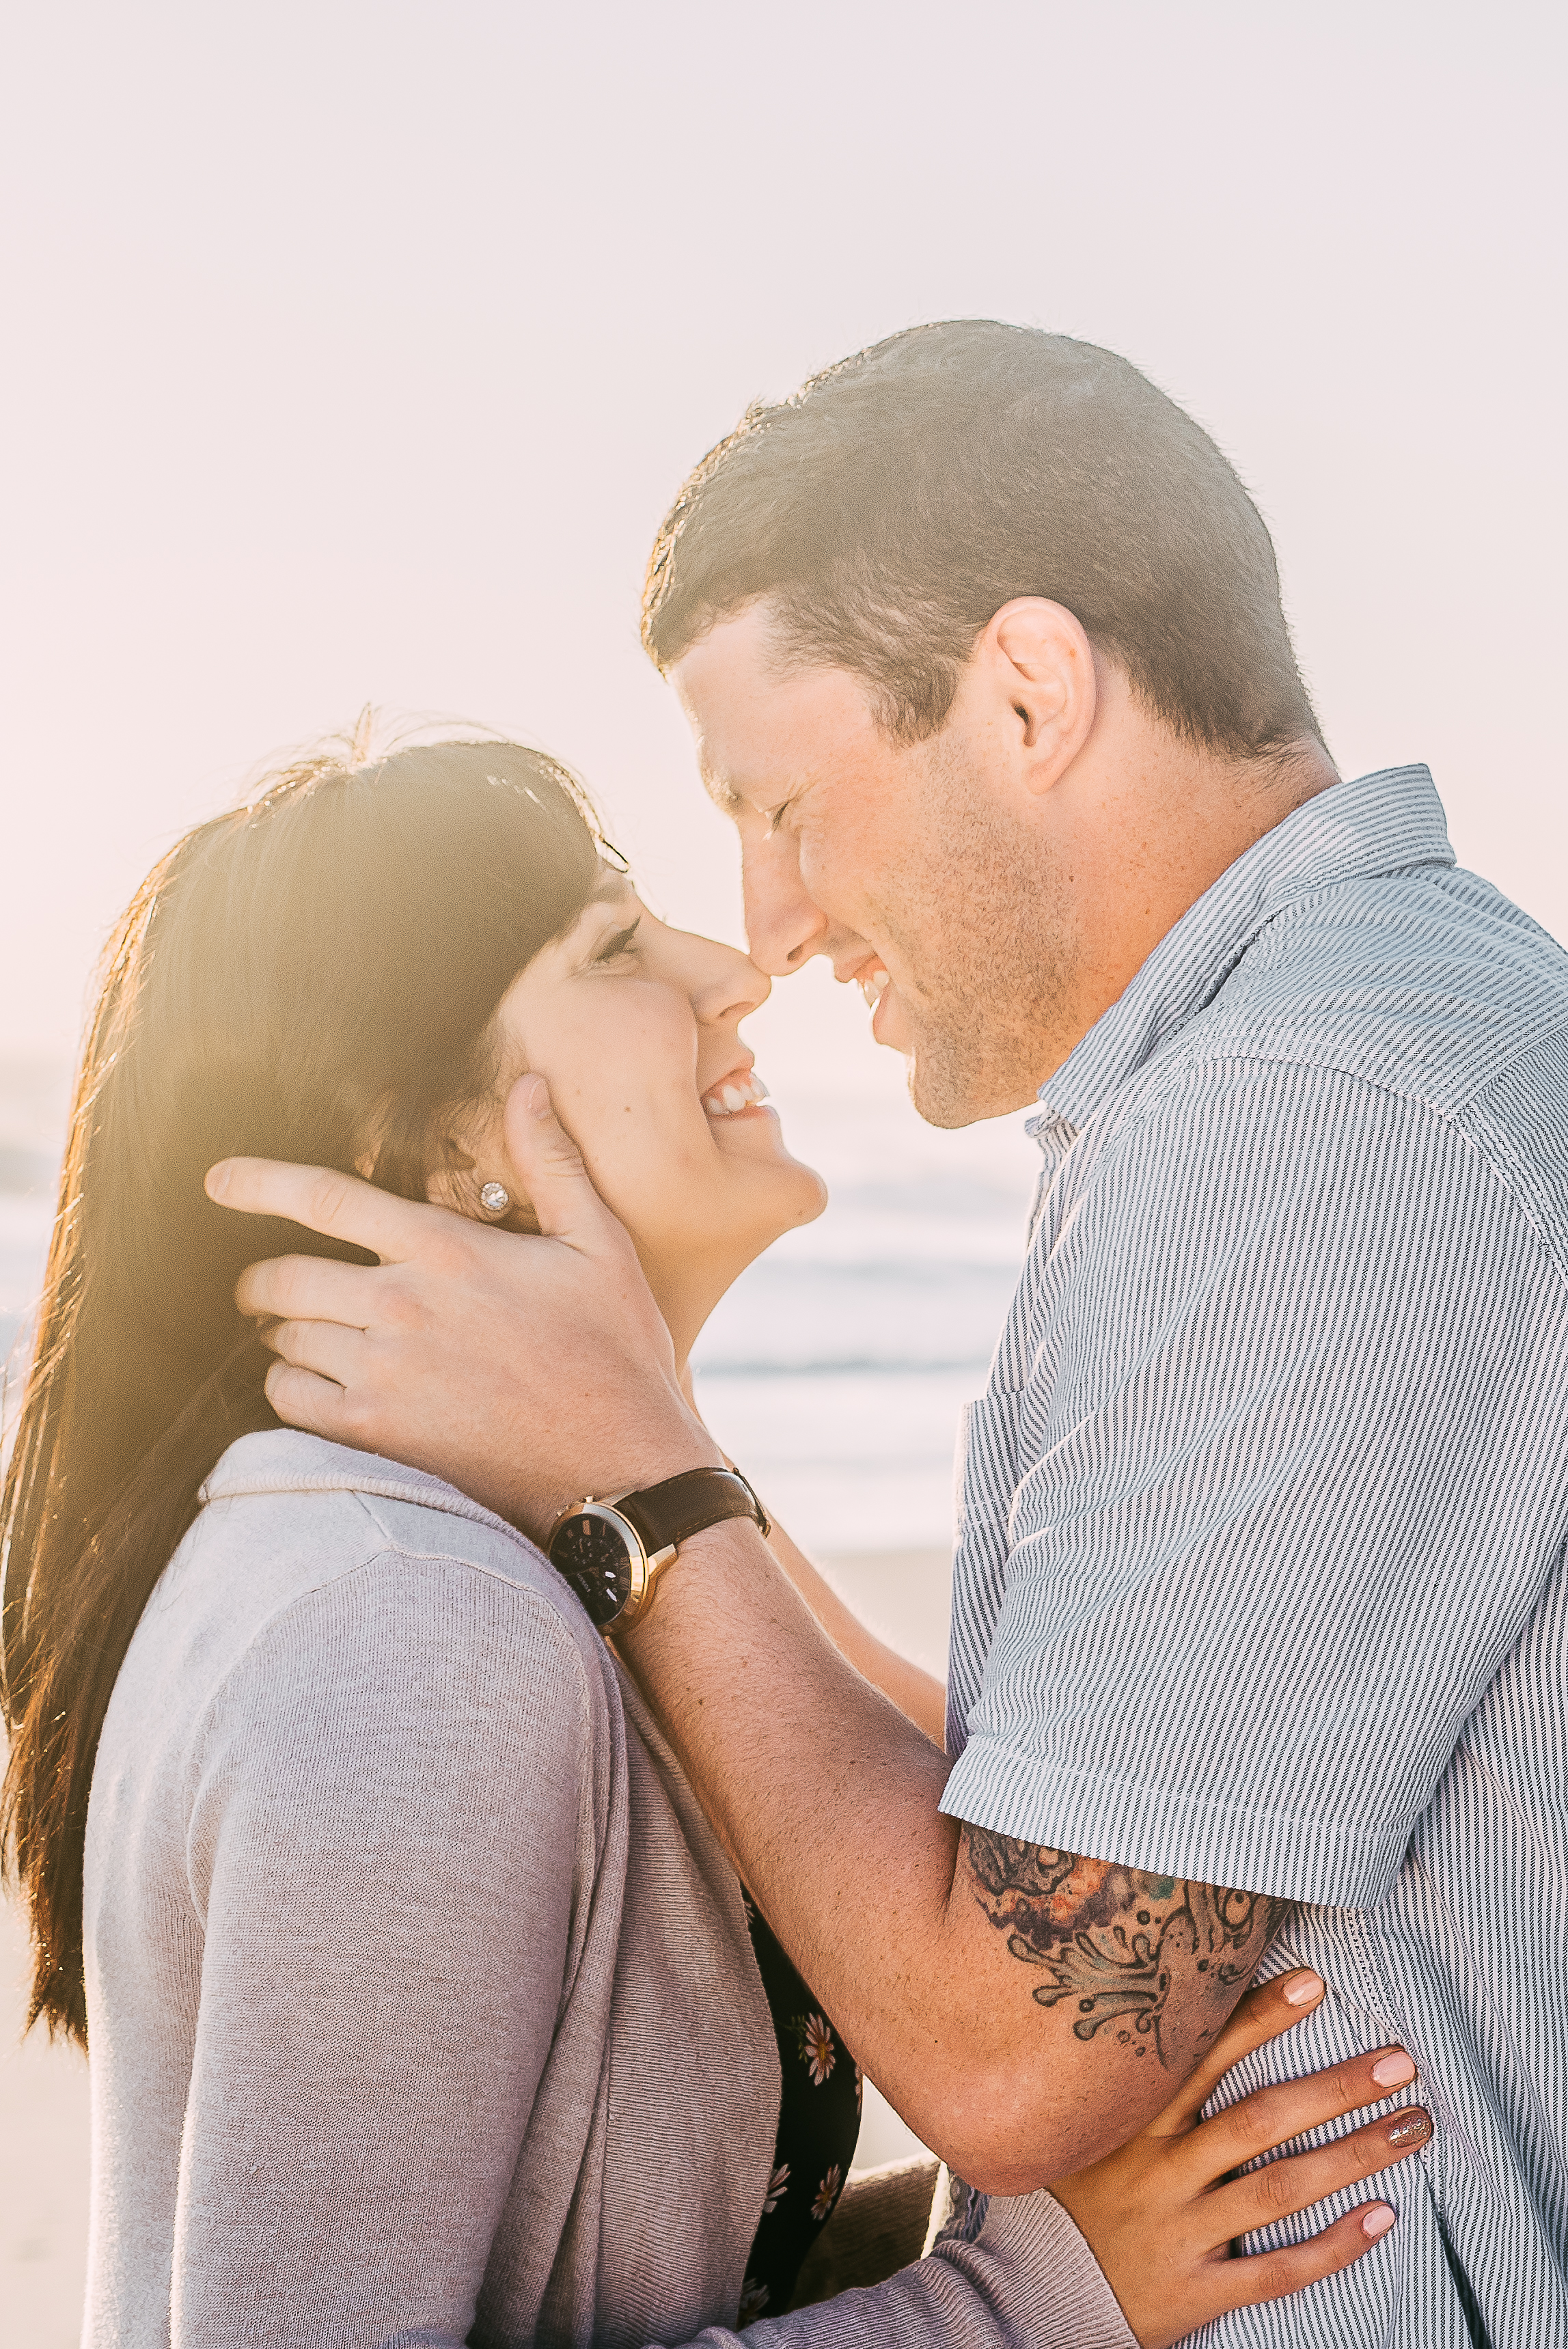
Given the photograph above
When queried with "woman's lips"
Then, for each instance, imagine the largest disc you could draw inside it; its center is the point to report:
(732, 1095)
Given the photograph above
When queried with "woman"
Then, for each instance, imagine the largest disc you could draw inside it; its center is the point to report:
(424, 2005)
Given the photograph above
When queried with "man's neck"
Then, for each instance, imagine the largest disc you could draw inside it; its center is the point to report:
(1148, 838)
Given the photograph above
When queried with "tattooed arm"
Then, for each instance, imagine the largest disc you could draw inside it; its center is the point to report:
(1025, 2011)
(1153, 1962)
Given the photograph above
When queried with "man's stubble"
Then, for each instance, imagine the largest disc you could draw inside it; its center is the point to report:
(984, 923)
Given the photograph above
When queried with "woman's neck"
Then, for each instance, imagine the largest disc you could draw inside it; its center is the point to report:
(686, 1294)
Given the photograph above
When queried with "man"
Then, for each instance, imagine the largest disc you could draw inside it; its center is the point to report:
(1258, 1617)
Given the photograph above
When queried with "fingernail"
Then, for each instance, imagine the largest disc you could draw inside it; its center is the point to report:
(538, 1097)
(1393, 2071)
(1377, 2221)
(1410, 2129)
(216, 1181)
(1300, 1989)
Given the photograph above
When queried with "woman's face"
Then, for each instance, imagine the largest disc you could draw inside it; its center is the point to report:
(635, 1029)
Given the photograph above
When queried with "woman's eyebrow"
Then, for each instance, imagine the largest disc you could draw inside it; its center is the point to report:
(612, 885)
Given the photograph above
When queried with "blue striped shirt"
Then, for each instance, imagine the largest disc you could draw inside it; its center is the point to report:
(1260, 1576)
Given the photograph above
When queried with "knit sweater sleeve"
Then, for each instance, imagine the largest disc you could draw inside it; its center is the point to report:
(389, 1837)
(1028, 2281)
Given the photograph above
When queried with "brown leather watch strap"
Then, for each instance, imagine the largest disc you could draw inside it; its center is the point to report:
(667, 1513)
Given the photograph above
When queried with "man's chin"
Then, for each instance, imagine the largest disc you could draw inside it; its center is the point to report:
(949, 1091)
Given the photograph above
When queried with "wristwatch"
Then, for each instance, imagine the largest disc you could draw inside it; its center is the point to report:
(612, 1552)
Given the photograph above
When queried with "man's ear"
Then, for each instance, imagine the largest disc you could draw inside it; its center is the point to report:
(1038, 661)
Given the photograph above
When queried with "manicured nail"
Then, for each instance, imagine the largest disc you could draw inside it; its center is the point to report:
(217, 1179)
(1300, 1989)
(538, 1097)
(1393, 2071)
(1410, 2129)
(1377, 2221)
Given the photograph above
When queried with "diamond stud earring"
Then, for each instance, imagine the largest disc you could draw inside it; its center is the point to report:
(495, 1198)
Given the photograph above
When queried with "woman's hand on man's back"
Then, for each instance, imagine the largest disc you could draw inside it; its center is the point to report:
(1162, 2212)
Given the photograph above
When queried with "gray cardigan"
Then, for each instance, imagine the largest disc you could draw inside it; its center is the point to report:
(421, 2000)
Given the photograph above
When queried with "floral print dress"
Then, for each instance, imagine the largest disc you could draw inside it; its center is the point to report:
(818, 2123)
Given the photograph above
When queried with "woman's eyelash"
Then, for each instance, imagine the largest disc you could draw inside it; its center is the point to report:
(775, 815)
(618, 943)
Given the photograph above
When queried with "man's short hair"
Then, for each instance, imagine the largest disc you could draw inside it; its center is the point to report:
(892, 504)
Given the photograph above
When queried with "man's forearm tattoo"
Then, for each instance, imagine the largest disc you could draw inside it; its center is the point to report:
(1115, 1942)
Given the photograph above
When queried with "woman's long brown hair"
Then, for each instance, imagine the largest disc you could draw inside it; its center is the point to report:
(317, 966)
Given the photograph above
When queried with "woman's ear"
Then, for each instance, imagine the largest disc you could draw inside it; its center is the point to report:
(373, 1138)
(444, 1186)
(520, 1217)
(457, 1185)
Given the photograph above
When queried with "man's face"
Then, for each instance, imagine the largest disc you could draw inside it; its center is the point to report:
(915, 868)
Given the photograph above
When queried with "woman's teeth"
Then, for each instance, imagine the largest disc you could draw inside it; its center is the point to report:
(735, 1093)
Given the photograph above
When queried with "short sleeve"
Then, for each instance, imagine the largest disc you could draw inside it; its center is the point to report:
(1288, 1475)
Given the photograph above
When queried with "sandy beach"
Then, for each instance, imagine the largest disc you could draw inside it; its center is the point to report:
(44, 2114)
(43, 2172)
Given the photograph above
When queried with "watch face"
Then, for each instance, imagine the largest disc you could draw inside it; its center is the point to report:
(594, 1555)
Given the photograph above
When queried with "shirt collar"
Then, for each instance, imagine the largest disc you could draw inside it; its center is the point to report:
(1385, 822)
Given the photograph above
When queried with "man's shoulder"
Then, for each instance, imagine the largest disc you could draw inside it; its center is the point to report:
(1377, 1042)
(1428, 983)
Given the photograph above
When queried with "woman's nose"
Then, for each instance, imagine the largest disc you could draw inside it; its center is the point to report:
(730, 987)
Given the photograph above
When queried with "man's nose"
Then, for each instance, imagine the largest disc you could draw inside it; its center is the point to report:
(784, 926)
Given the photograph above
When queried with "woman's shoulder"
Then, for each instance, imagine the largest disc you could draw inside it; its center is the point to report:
(299, 1542)
(307, 1510)
(341, 1648)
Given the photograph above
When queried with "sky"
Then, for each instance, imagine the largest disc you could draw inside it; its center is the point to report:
(354, 353)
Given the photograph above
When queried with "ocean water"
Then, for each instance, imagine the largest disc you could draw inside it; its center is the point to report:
(33, 1103)
(835, 1369)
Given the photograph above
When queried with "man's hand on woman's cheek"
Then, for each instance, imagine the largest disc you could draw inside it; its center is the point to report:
(525, 1372)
